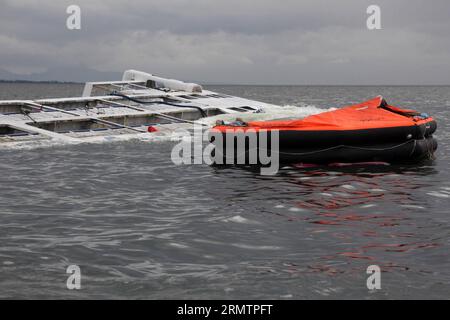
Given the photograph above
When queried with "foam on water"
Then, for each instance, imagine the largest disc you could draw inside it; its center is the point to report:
(438, 194)
(274, 113)
(240, 219)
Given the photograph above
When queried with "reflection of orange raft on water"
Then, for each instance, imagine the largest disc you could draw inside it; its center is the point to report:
(370, 131)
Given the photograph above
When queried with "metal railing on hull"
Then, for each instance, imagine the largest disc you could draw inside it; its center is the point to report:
(41, 107)
(158, 114)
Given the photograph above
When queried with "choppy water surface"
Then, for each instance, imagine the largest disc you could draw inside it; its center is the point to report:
(141, 227)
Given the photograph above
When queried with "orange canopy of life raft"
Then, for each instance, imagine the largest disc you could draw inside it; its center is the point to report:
(374, 113)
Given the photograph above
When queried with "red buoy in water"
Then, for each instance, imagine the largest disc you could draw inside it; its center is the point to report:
(152, 129)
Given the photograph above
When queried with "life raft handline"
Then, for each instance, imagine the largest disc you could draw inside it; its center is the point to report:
(337, 147)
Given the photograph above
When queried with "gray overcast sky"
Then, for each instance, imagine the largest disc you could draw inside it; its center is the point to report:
(229, 41)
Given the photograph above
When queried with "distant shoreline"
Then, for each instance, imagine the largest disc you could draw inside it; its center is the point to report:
(45, 82)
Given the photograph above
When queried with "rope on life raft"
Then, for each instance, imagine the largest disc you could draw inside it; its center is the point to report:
(414, 142)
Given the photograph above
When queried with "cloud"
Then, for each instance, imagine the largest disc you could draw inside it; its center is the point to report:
(304, 42)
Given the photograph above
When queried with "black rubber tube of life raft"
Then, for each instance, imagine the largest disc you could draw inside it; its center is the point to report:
(410, 151)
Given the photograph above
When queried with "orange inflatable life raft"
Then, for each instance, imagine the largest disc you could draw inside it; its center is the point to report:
(369, 131)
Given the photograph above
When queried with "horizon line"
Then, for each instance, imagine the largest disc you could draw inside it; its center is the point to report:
(247, 84)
